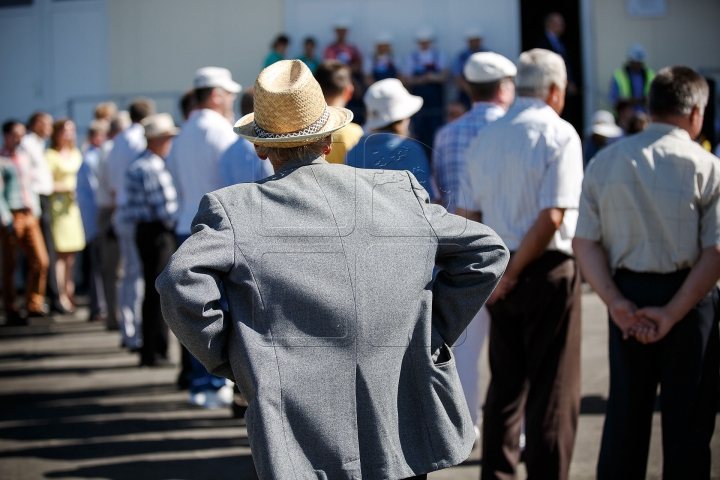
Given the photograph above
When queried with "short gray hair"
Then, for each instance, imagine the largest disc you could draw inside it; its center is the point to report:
(282, 155)
(676, 91)
(538, 71)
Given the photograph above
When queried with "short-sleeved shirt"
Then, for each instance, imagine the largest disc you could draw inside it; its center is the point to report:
(346, 53)
(272, 58)
(652, 200)
(424, 61)
(24, 170)
(240, 164)
(527, 161)
(150, 190)
(388, 151)
(450, 145)
(10, 196)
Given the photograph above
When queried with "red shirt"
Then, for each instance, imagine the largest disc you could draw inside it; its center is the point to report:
(348, 54)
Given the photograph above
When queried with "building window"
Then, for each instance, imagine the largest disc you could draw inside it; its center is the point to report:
(15, 3)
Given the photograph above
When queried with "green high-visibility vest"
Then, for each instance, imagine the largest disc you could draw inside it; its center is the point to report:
(622, 78)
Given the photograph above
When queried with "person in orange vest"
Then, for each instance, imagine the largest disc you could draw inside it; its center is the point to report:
(632, 81)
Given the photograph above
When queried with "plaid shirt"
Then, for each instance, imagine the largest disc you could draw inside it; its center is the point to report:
(452, 141)
(150, 191)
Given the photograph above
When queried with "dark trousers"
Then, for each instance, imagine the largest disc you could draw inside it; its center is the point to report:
(156, 244)
(534, 349)
(98, 306)
(52, 290)
(110, 254)
(685, 363)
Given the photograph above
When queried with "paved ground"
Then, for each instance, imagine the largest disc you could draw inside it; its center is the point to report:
(75, 405)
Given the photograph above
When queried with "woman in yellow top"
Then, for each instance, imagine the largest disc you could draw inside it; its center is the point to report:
(64, 160)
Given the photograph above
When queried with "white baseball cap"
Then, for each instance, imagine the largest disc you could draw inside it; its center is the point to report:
(636, 53)
(387, 101)
(603, 124)
(473, 32)
(425, 34)
(483, 67)
(384, 38)
(342, 24)
(208, 77)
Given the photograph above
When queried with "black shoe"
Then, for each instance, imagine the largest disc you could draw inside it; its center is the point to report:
(44, 312)
(59, 309)
(14, 319)
(158, 362)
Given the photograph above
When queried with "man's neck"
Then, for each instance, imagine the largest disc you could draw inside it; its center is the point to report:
(675, 120)
(338, 101)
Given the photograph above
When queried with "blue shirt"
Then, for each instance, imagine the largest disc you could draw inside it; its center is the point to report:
(450, 145)
(240, 164)
(87, 185)
(388, 151)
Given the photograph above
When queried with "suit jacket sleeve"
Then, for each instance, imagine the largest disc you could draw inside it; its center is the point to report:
(471, 258)
(189, 287)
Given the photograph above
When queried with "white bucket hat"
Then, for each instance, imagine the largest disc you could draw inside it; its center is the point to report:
(387, 101)
(473, 32)
(290, 109)
(603, 124)
(208, 77)
(159, 125)
(425, 34)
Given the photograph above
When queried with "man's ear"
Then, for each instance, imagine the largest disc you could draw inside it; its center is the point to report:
(261, 157)
(349, 90)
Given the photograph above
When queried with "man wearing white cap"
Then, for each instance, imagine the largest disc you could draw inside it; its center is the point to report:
(524, 178)
(632, 81)
(152, 202)
(425, 74)
(194, 162)
(474, 39)
(489, 78)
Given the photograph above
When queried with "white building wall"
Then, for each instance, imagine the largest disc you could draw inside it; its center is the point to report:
(52, 51)
(687, 35)
(156, 45)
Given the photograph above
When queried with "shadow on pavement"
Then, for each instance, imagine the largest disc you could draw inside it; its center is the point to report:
(234, 467)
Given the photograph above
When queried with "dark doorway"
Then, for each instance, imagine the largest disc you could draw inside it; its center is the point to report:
(532, 18)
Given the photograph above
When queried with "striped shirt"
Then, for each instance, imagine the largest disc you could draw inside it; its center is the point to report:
(450, 145)
(150, 191)
(525, 162)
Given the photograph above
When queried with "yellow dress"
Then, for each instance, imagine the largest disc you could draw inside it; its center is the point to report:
(67, 227)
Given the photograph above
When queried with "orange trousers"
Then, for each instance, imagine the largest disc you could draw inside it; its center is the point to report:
(28, 237)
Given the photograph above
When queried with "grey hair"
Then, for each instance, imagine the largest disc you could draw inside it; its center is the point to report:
(538, 71)
(282, 155)
(676, 91)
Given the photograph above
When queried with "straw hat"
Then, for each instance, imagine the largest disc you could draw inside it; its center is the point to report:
(387, 101)
(290, 109)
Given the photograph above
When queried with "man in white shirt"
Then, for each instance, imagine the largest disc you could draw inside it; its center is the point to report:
(195, 155)
(127, 147)
(524, 178)
(109, 249)
(194, 163)
(489, 81)
(39, 129)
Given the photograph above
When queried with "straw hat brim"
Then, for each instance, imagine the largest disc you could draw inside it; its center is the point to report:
(337, 118)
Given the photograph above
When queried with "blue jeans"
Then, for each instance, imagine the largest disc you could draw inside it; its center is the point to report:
(200, 379)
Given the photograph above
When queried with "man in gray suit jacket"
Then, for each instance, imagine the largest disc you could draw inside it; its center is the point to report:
(336, 332)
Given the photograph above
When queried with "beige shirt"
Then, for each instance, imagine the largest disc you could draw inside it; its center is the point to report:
(652, 200)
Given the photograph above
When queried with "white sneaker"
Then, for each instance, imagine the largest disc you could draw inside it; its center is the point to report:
(198, 399)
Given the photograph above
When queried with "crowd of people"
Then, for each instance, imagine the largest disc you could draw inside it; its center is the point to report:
(636, 207)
